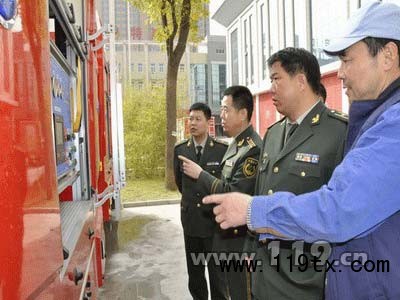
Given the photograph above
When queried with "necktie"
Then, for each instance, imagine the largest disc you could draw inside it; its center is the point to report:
(290, 128)
(198, 152)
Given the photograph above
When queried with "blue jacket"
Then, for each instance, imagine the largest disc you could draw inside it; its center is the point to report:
(358, 210)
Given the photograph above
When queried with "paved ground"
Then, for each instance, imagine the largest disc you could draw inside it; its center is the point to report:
(146, 256)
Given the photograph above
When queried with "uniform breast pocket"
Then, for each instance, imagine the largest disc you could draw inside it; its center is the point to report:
(305, 170)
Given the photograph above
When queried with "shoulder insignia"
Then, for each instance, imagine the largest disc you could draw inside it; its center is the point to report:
(220, 141)
(250, 167)
(251, 142)
(315, 119)
(240, 143)
(181, 142)
(338, 115)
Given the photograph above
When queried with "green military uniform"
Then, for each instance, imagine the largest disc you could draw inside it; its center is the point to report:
(302, 165)
(198, 221)
(238, 175)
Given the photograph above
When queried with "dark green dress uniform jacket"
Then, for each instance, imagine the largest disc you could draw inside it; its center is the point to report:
(238, 175)
(197, 219)
(304, 164)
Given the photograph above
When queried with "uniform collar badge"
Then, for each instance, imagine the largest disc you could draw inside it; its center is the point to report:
(315, 119)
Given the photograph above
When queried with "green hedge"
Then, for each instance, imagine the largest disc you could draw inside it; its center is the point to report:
(144, 127)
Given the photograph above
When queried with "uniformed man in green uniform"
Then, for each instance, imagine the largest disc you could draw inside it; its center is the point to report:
(299, 154)
(197, 219)
(238, 174)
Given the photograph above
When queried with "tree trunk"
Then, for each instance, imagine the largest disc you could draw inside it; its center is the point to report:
(174, 58)
(170, 93)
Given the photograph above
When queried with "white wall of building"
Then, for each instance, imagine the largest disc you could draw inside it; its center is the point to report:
(266, 26)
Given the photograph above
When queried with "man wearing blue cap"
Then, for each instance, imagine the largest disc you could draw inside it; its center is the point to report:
(358, 211)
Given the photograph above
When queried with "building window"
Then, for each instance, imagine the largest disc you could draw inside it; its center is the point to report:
(140, 85)
(248, 49)
(234, 57)
(152, 68)
(140, 68)
(161, 68)
(289, 23)
(181, 67)
(154, 48)
(273, 14)
(198, 82)
(251, 62)
(138, 48)
(220, 51)
(264, 40)
(325, 17)
(218, 82)
(300, 24)
(132, 67)
(246, 52)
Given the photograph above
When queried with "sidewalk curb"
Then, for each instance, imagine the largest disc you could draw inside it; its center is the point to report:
(151, 203)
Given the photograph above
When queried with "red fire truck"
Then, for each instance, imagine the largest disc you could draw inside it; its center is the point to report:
(60, 155)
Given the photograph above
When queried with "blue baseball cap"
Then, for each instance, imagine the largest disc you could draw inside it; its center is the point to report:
(376, 19)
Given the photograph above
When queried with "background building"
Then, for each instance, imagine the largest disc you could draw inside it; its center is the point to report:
(258, 28)
(143, 61)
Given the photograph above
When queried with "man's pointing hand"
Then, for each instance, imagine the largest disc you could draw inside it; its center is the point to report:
(231, 209)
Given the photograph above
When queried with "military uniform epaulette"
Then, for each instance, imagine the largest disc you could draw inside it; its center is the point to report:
(249, 141)
(184, 141)
(219, 141)
(338, 115)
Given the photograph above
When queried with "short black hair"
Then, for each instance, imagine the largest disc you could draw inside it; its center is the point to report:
(322, 93)
(203, 107)
(241, 98)
(299, 60)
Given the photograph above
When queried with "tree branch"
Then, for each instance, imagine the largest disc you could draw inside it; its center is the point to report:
(174, 22)
(169, 43)
(184, 29)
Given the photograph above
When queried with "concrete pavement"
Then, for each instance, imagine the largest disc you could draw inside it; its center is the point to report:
(146, 257)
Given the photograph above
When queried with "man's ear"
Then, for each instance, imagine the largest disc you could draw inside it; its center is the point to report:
(391, 56)
(243, 114)
(302, 81)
